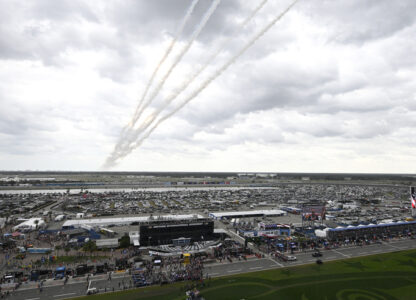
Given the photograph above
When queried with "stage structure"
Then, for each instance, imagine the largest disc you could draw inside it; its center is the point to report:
(312, 214)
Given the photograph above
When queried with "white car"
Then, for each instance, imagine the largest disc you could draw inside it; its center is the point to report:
(291, 258)
(92, 291)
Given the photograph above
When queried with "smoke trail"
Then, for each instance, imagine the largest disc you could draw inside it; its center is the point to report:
(139, 110)
(255, 11)
(194, 35)
(125, 133)
(136, 144)
(184, 85)
(168, 50)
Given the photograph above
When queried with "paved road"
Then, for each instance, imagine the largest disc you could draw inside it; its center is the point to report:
(78, 288)
(58, 290)
(226, 268)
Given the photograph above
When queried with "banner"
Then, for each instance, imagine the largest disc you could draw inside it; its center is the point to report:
(313, 213)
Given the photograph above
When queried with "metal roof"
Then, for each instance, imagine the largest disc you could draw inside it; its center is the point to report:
(371, 226)
(126, 220)
(265, 212)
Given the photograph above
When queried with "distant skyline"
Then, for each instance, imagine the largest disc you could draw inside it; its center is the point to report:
(330, 88)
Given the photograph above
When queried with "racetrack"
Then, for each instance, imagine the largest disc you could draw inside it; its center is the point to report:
(385, 276)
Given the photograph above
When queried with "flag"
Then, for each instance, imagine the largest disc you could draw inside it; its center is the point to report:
(413, 196)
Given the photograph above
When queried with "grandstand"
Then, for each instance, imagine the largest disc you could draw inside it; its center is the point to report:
(120, 221)
(163, 232)
(371, 230)
(246, 214)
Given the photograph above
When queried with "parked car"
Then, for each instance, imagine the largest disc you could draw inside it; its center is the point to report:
(92, 291)
(317, 254)
(291, 258)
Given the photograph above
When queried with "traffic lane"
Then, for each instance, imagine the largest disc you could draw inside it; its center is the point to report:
(364, 250)
(353, 251)
(403, 244)
(52, 292)
(372, 249)
(118, 283)
(239, 267)
(301, 259)
(72, 289)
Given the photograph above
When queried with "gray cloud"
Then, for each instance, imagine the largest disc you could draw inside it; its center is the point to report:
(332, 74)
(355, 21)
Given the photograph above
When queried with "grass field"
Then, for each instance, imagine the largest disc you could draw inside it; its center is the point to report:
(380, 277)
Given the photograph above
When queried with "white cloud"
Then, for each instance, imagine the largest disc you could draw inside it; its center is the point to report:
(331, 88)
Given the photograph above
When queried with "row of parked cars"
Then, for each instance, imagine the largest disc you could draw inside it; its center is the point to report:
(62, 271)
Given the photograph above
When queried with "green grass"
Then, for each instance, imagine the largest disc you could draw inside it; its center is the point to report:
(74, 259)
(386, 276)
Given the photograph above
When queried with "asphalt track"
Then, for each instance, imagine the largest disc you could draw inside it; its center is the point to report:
(77, 287)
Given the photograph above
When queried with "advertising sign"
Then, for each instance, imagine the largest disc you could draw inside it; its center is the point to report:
(313, 213)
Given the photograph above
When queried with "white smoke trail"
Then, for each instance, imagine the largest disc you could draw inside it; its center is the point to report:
(184, 85)
(124, 138)
(185, 49)
(137, 143)
(167, 52)
(254, 12)
(178, 33)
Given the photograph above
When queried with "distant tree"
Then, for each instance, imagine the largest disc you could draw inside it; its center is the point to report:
(125, 241)
(7, 215)
(36, 223)
(90, 246)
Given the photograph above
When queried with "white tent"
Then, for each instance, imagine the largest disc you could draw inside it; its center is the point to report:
(320, 233)
(31, 224)
(2, 222)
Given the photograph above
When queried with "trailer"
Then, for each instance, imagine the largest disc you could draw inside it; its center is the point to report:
(39, 250)
(60, 272)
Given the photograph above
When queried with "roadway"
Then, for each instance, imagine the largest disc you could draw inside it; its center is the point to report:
(77, 287)
(303, 258)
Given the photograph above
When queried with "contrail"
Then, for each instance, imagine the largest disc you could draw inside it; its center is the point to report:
(194, 35)
(184, 85)
(126, 131)
(168, 50)
(255, 11)
(139, 110)
(205, 65)
(136, 144)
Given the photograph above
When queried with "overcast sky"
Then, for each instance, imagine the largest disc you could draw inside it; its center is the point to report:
(329, 88)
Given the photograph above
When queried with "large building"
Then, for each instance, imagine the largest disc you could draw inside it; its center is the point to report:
(165, 232)
(246, 214)
(123, 221)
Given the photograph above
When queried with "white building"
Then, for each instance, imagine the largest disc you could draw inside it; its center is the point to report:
(246, 214)
(2, 223)
(120, 221)
(31, 224)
